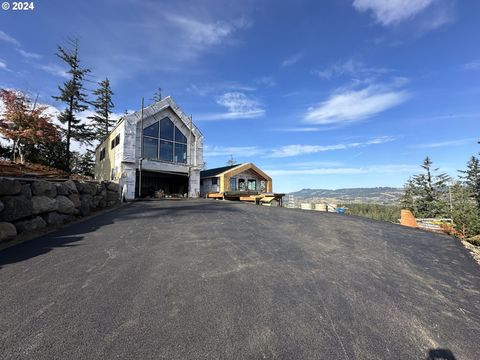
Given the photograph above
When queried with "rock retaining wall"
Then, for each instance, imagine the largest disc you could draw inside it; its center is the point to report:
(28, 204)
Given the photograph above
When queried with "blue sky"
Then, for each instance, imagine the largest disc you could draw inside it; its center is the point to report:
(320, 94)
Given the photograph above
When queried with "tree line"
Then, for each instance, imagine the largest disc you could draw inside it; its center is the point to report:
(35, 138)
(432, 194)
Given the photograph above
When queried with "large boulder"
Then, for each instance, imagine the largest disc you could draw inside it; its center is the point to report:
(62, 189)
(7, 231)
(42, 187)
(54, 218)
(100, 188)
(70, 184)
(112, 196)
(26, 191)
(112, 186)
(9, 187)
(65, 205)
(15, 207)
(75, 198)
(85, 206)
(43, 204)
(86, 188)
(30, 225)
(100, 201)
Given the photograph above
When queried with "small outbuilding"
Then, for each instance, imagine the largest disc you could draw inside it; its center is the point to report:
(244, 182)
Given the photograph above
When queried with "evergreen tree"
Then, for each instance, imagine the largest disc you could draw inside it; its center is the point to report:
(103, 105)
(407, 201)
(83, 164)
(429, 192)
(72, 93)
(465, 214)
(472, 178)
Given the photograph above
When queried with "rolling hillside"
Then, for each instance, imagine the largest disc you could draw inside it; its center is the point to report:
(378, 195)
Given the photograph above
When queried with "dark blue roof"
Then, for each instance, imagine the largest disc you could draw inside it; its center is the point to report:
(216, 171)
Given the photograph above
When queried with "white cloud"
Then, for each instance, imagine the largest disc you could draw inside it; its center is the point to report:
(54, 69)
(291, 60)
(210, 151)
(301, 129)
(472, 65)
(391, 12)
(28, 55)
(267, 81)
(295, 150)
(373, 169)
(201, 33)
(207, 89)
(3, 65)
(7, 38)
(349, 67)
(238, 106)
(447, 143)
(348, 106)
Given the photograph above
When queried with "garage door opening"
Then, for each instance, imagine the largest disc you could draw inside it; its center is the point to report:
(170, 183)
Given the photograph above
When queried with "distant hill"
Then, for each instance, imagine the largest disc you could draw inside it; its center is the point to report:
(377, 195)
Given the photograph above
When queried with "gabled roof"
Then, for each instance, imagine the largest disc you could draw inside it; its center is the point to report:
(233, 170)
(216, 171)
(153, 109)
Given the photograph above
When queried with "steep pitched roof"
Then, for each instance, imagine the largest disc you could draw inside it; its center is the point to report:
(155, 108)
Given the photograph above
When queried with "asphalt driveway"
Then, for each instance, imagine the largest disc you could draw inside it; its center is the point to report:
(218, 280)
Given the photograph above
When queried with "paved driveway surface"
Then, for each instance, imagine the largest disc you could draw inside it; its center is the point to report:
(216, 280)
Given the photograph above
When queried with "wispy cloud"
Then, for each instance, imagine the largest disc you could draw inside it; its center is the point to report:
(295, 150)
(301, 129)
(392, 12)
(28, 55)
(347, 106)
(7, 38)
(447, 143)
(209, 88)
(266, 81)
(3, 65)
(350, 68)
(291, 60)
(472, 65)
(210, 151)
(238, 106)
(54, 69)
(373, 169)
(428, 14)
(200, 34)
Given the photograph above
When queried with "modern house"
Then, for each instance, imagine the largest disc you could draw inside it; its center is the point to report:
(235, 179)
(154, 149)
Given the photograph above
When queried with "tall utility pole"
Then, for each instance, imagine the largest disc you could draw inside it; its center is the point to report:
(141, 156)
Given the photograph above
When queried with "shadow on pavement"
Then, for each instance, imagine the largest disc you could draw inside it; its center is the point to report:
(66, 237)
(440, 354)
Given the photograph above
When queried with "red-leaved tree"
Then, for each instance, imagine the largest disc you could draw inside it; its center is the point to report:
(24, 123)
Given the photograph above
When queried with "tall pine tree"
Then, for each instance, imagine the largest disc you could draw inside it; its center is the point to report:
(103, 105)
(428, 191)
(472, 178)
(72, 94)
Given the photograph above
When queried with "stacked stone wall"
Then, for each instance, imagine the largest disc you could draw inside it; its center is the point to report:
(29, 204)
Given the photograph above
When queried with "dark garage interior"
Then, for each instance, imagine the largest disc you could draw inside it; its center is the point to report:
(171, 183)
